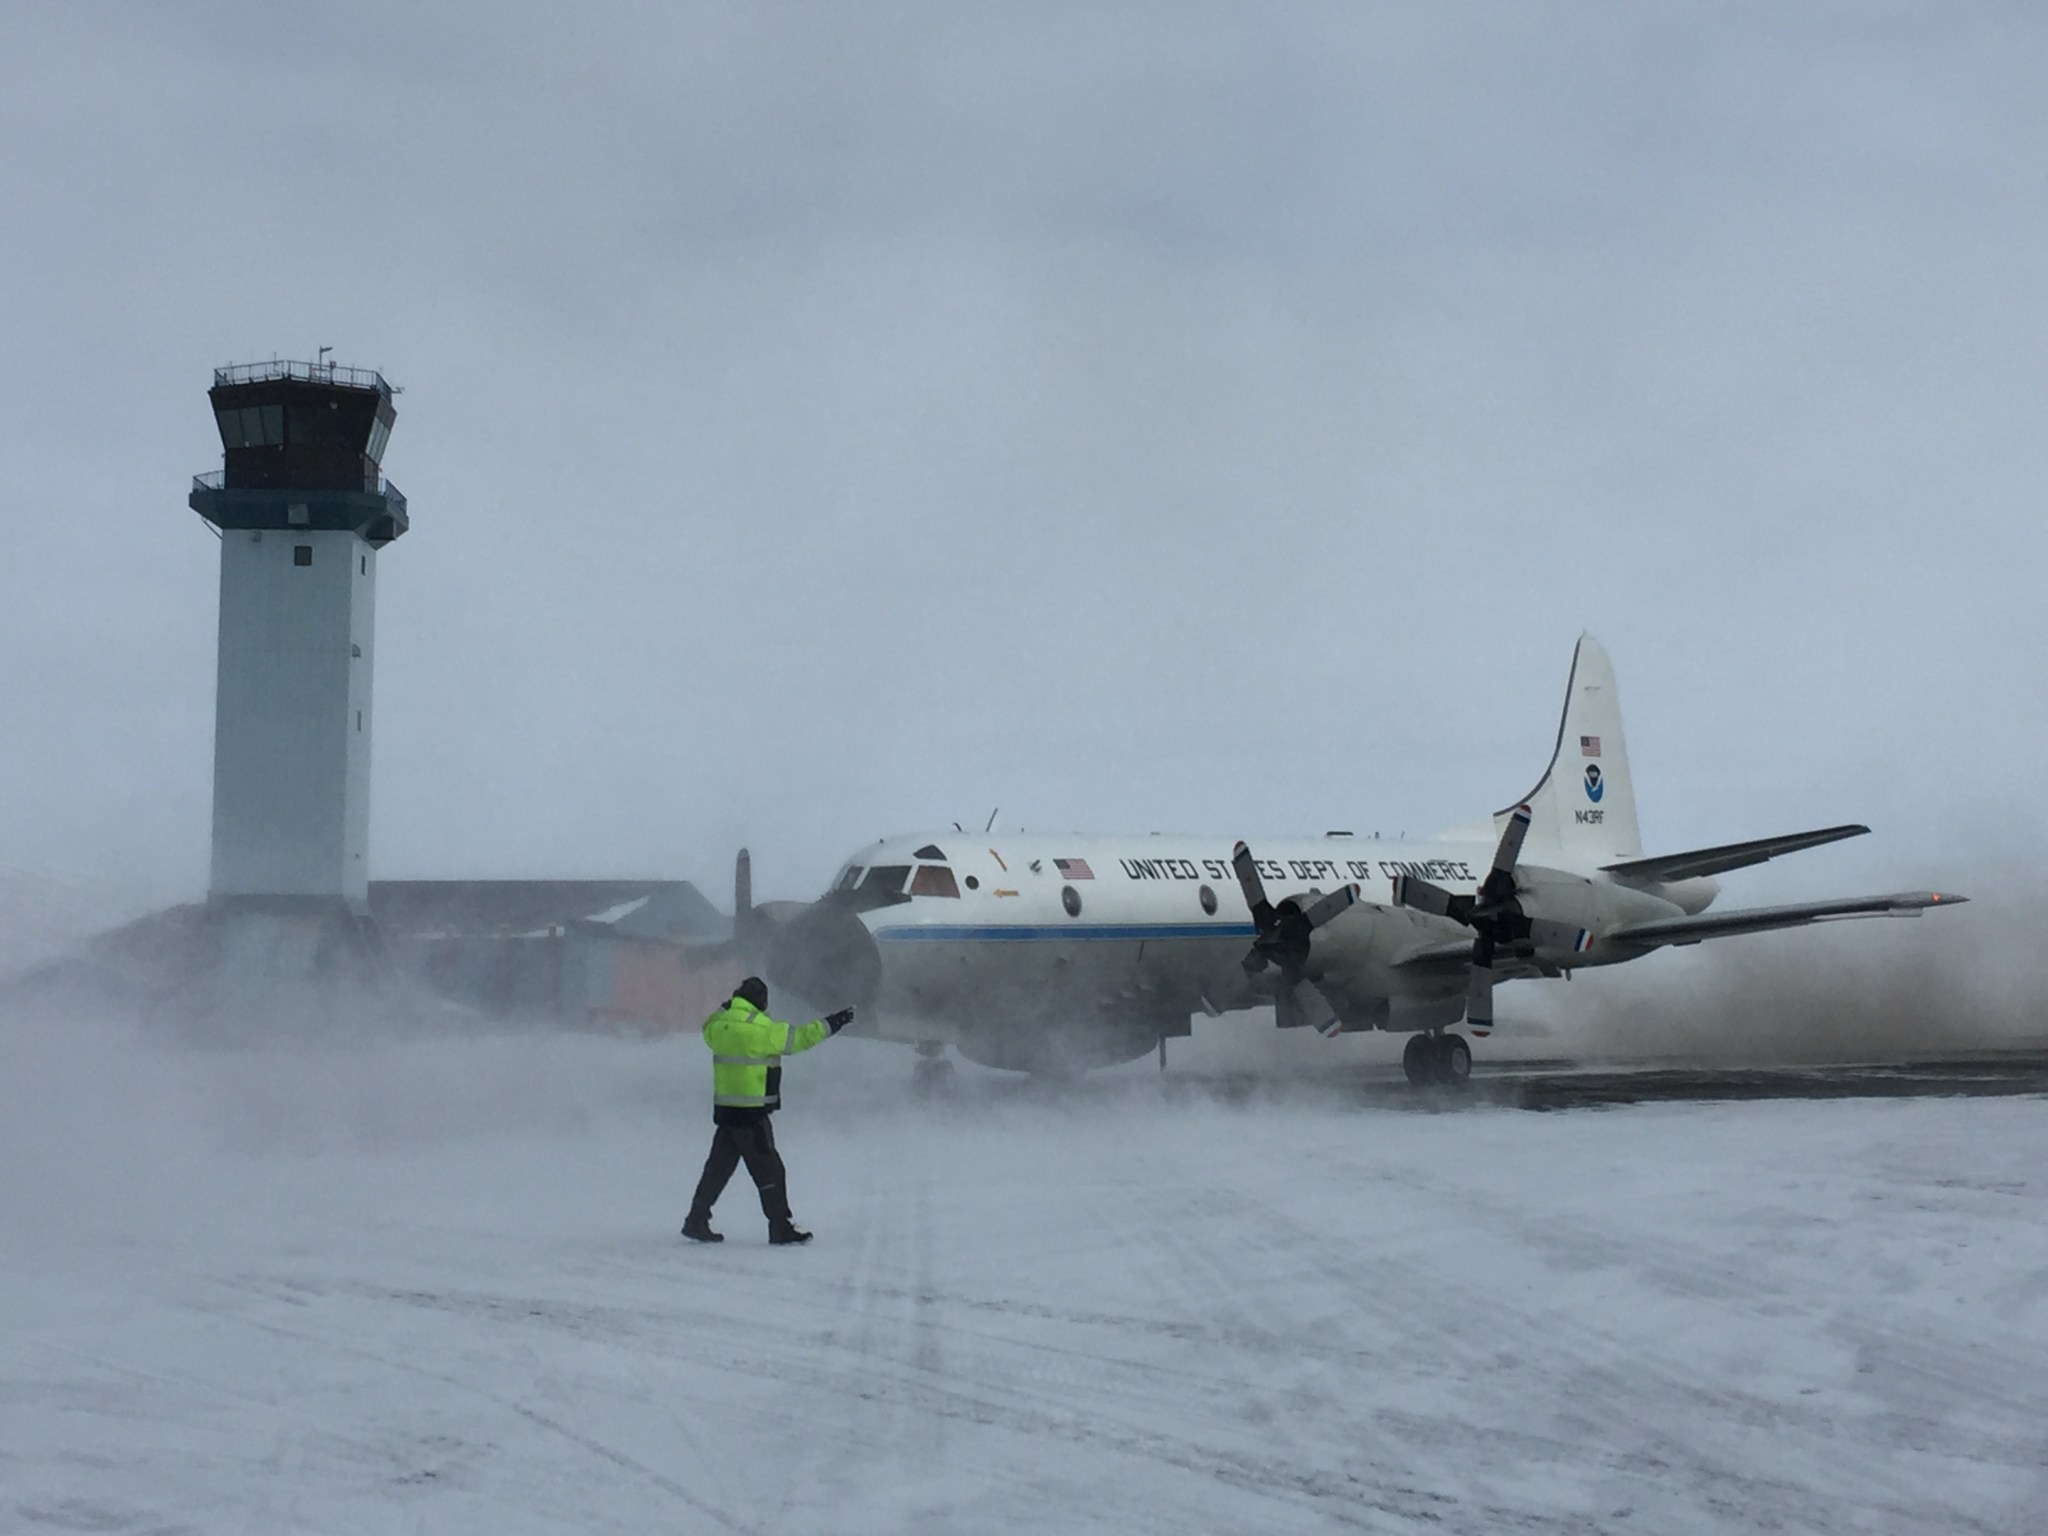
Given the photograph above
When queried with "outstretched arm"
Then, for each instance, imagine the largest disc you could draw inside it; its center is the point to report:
(801, 1037)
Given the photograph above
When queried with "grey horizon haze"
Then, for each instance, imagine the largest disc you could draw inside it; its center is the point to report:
(823, 422)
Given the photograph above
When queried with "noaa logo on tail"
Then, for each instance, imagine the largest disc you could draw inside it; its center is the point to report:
(1595, 786)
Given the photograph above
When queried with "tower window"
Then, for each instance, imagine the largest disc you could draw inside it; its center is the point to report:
(302, 554)
(359, 719)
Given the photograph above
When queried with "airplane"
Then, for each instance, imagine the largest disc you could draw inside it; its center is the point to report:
(1052, 954)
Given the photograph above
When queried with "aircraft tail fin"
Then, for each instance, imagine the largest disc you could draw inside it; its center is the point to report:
(1584, 806)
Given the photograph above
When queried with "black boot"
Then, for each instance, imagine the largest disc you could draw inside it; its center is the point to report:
(787, 1232)
(698, 1230)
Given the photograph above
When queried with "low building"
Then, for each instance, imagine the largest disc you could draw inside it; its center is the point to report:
(637, 955)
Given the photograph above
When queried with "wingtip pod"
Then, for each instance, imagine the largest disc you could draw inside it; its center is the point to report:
(1919, 901)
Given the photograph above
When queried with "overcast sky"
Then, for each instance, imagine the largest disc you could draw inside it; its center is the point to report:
(828, 420)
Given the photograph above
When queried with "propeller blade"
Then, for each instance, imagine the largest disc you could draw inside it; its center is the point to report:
(1546, 934)
(1510, 849)
(1331, 905)
(1479, 982)
(1482, 947)
(1413, 891)
(1253, 887)
(1288, 1012)
(1498, 889)
(746, 923)
(1303, 1004)
(1479, 1000)
(1329, 1026)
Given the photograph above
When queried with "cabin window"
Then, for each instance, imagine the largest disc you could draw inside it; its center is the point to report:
(934, 880)
(1071, 900)
(1208, 899)
(973, 884)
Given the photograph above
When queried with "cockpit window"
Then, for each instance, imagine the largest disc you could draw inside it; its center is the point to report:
(849, 877)
(880, 886)
(933, 880)
(929, 851)
(886, 879)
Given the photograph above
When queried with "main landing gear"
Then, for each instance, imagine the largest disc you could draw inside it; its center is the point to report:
(1434, 1058)
(932, 1075)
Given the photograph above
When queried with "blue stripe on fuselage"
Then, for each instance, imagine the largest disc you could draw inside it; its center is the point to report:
(1035, 933)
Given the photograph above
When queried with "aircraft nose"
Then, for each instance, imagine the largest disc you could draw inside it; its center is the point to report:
(827, 957)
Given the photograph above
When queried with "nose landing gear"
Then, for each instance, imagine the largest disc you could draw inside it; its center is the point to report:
(1437, 1058)
(932, 1075)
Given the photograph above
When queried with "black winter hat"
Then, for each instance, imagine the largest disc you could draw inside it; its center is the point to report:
(754, 990)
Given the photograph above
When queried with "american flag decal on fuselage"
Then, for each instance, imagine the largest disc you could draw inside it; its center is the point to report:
(1074, 869)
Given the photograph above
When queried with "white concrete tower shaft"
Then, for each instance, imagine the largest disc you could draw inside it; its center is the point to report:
(291, 732)
(302, 510)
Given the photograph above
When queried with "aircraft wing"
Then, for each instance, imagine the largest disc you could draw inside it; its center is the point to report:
(1690, 930)
(1715, 861)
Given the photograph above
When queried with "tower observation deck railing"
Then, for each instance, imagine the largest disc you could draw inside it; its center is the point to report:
(305, 373)
(376, 485)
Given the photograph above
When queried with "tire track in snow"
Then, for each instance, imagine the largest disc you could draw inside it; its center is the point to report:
(546, 1422)
(1926, 1380)
(1619, 1397)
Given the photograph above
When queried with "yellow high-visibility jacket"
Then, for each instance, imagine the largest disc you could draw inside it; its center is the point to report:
(747, 1048)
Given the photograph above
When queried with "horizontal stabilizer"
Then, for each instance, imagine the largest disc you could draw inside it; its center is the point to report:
(1716, 861)
(1690, 930)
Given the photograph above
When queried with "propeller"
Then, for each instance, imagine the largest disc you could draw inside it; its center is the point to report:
(749, 931)
(1495, 916)
(1281, 939)
(818, 949)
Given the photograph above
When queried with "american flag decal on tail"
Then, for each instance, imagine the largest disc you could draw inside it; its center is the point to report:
(1073, 869)
(1589, 746)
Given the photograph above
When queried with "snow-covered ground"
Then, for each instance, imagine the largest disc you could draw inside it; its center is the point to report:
(437, 1287)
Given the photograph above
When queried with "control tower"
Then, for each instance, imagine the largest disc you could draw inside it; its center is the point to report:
(302, 510)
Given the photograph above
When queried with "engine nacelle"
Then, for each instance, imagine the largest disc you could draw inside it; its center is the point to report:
(1599, 906)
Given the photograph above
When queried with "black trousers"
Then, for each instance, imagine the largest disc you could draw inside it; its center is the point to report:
(753, 1144)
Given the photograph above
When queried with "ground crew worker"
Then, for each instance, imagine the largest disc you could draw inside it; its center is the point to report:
(747, 1048)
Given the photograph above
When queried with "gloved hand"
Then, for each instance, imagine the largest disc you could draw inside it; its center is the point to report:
(839, 1020)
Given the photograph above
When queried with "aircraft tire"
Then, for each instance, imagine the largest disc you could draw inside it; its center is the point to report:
(1454, 1061)
(1419, 1060)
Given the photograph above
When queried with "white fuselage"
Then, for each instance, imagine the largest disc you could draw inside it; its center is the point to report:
(1012, 931)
